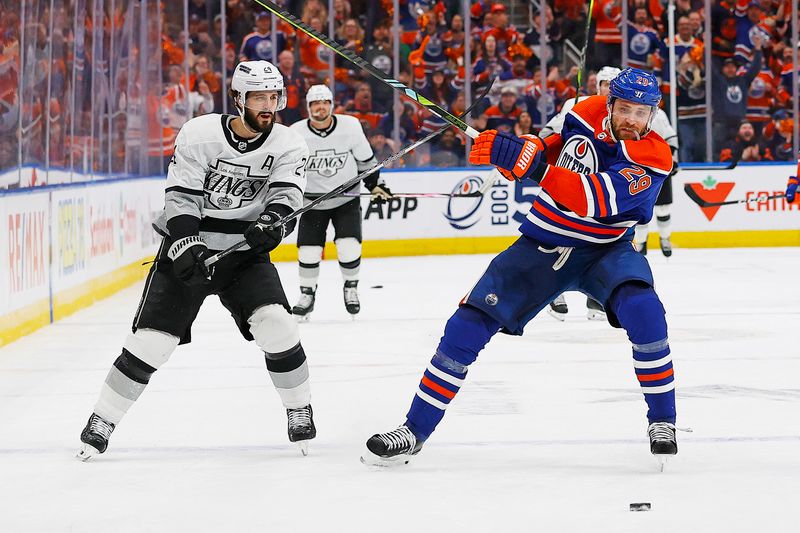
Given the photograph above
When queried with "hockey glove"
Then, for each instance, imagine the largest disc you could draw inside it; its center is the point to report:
(516, 156)
(380, 193)
(791, 188)
(261, 237)
(188, 257)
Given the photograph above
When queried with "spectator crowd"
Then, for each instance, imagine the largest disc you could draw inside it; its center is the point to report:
(531, 76)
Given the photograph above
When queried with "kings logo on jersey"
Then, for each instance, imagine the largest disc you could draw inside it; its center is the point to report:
(326, 162)
(578, 155)
(229, 186)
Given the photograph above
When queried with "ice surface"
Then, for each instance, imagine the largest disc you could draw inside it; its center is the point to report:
(547, 435)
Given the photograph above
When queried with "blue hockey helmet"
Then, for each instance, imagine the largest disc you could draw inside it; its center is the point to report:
(635, 85)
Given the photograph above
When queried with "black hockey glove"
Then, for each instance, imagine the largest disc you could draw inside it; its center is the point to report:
(261, 237)
(380, 194)
(188, 257)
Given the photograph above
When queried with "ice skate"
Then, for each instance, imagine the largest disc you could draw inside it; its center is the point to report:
(393, 448)
(594, 311)
(558, 308)
(662, 441)
(305, 305)
(666, 246)
(301, 427)
(351, 302)
(94, 437)
(641, 247)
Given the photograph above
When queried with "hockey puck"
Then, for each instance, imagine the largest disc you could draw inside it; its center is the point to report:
(376, 287)
(644, 506)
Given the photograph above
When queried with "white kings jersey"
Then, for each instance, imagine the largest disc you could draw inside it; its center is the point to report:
(336, 155)
(660, 125)
(227, 181)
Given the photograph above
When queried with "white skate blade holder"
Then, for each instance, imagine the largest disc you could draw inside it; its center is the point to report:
(371, 460)
(86, 452)
(561, 317)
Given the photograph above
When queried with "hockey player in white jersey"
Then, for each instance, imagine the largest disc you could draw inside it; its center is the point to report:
(228, 180)
(663, 206)
(594, 311)
(338, 151)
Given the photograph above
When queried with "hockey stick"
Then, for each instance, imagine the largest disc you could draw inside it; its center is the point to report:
(366, 65)
(693, 196)
(705, 168)
(485, 186)
(582, 67)
(475, 194)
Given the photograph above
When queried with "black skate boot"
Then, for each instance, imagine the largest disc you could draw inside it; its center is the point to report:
(301, 426)
(666, 246)
(305, 305)
(594, 310)
(558, 308)
(94, 437)
(662, 441)
(393, 448)
(351, 302)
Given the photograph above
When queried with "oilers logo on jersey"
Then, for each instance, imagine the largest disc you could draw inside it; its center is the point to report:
(326, 162)
(229, 186)
(578, 155)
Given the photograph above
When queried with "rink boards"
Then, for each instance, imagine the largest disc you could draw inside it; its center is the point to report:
(63, 247)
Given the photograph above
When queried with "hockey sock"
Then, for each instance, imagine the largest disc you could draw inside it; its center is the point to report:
(289, 373)
(663, 220)
(124, 384)
(465, 334)
(641, 313)
(348, 250)
(143, 352)
(309, 258)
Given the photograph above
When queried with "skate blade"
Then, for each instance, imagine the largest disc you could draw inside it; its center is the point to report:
(303, 318)
(86, 452)
(561, 317)
(303, 445)
(661, 459)
(371, 460)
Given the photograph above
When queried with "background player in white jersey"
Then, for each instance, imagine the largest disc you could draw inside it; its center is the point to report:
(229, 179)
(338, 151)
(594, 311)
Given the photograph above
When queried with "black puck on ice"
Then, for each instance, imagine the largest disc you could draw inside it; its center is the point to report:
(376, 287)
(644, 506)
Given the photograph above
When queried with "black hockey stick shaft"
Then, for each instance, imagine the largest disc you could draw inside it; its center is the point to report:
(366, 65)
(582, 66)
(474, 194)
(690, 192)
(350, 183)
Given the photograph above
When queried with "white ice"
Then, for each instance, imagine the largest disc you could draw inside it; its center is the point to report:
(547, 435)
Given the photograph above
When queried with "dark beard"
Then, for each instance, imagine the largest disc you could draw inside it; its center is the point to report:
(252, 122)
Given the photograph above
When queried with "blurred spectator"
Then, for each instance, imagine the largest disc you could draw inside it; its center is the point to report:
(503, 116)
(748, 15)
(295, 89)
(201, 99)
(258, 44)
(314, 57)
(382, 147)
(379, 55)
(778, 136)
(643, 39)
(729, 97)
(448, 150)
(608, 37)
(490, 63)
(202, 70)
(363, 108)
(746, 146)
(524, 125)
(503, 34)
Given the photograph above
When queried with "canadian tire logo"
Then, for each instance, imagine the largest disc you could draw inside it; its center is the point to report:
(712, 190)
